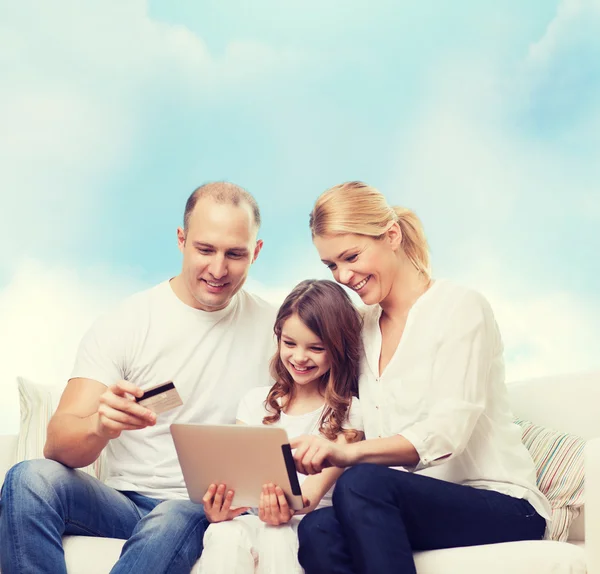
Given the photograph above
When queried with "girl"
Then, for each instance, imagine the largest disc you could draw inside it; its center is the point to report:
(433, 401)
(316, 372)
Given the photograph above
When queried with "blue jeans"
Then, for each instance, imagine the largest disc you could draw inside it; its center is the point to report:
(380, 516)
(41, 500)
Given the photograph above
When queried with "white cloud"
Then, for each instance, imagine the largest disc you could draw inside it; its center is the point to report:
(272, 294)
(548, 334)
(487, 138)
(559, 79)
(76, 82)
(565, 28)
(44, 311)
(492, 186)
(72, 94)
(458, 159)
(546, 331)
(590, 207)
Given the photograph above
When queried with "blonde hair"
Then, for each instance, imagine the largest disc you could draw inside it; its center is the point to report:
(357, 208)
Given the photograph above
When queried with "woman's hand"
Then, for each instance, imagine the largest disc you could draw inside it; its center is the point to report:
(217, 504)
(314, 453)
(273, 507)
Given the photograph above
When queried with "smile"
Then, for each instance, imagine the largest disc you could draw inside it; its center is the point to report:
(360, 285)
(302, 370)
(213, 284)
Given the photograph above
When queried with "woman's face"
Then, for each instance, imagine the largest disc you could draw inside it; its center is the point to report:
(364, 264)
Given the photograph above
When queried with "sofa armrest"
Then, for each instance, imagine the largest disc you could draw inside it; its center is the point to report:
(592, 505)
(8, 449)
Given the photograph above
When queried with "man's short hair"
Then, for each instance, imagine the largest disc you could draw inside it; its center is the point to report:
(221, 192)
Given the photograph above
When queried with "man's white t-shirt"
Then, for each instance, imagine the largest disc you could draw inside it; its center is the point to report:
(252, 410)
(213, 358)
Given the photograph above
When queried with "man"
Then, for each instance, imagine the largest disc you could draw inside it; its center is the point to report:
(199, 330)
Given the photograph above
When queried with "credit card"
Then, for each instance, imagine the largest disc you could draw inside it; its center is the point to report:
(160, 398)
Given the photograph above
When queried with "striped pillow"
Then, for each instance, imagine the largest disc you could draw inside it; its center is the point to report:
(37, 406)
(559, 465)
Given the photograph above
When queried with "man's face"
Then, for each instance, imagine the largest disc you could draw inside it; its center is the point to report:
(218, 248)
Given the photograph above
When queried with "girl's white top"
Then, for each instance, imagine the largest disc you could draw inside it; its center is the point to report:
(444, 391)
(252, 410)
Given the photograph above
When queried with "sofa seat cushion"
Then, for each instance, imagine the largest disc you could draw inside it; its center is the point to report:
(91, 555)
(88, 555)
(539, 556)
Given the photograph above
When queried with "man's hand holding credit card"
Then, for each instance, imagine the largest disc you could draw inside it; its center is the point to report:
(160, 398)
(125, 406)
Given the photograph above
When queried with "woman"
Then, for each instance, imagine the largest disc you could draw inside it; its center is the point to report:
(433, 400)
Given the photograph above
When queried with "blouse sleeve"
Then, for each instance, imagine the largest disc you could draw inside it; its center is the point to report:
(459, 383)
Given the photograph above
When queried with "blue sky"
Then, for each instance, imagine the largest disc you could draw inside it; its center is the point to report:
(483, 117)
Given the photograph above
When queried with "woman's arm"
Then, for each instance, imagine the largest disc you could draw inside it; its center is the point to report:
(315, 487)
(390, 451)
(316, 455)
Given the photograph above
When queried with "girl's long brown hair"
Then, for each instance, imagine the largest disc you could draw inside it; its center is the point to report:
(325, 308)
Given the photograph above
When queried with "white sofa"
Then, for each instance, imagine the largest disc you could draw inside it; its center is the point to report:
(567, 403)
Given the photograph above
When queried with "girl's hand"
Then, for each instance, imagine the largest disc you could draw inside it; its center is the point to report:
(273, 507)
(217, 504)
(314, 453)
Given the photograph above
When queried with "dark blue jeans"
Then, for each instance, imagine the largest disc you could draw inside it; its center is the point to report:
(380, 516)
(42, 500)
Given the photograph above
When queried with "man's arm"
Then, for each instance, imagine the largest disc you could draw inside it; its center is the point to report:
(88, 416)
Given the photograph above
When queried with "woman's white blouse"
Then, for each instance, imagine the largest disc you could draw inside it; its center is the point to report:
(444, 391)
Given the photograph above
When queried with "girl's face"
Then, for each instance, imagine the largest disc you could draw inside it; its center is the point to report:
(364, 264)
(302, 352)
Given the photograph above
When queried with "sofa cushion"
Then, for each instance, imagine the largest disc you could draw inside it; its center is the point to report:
(565, 402)
(36, 402)
(559, 463)
(80, 549)
(91, 555)
(577, 530)
(539, 556)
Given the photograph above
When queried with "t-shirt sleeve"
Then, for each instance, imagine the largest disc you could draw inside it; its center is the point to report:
(354, 420)
(251, 409)
(101, 353)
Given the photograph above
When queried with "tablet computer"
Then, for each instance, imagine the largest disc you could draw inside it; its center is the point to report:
(241, 456)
